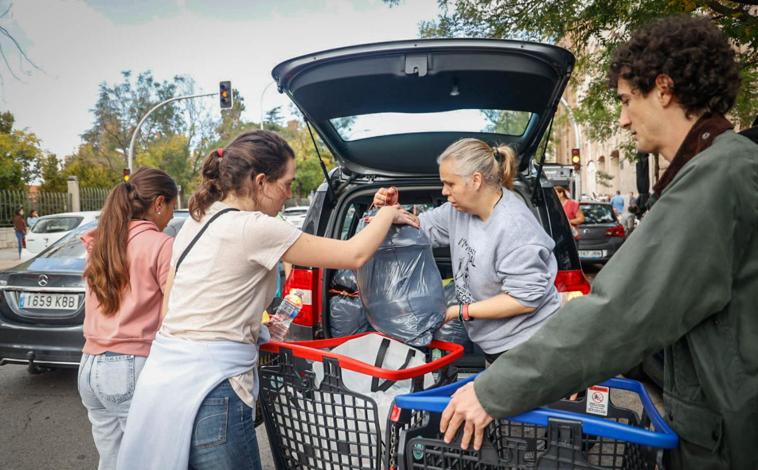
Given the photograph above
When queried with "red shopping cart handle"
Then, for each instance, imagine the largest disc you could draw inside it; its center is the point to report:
(314, 350)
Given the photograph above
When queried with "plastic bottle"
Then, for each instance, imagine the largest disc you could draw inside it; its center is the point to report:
(286, 312)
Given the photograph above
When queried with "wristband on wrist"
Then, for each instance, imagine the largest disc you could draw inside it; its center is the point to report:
(466, 316)
(460, 312)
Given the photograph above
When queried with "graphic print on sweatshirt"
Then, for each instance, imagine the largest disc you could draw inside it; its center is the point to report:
(463, 273)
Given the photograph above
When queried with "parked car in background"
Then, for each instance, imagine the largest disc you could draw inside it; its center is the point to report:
(295, 215)
(50, 228)
(386, 111)
(601, 234)
(42, 304)
(173, 226)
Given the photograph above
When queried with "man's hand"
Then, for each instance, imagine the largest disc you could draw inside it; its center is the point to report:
(464, 408)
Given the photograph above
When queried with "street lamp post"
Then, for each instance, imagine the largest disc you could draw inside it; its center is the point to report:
(130, 156)
(260, 102)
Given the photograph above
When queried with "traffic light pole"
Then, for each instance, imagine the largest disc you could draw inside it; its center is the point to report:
(130, 155)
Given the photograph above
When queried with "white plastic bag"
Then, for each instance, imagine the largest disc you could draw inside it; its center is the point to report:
(365, 349)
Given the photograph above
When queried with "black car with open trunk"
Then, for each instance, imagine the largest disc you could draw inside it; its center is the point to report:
(386, 111)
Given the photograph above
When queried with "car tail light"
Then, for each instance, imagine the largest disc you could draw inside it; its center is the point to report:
(616, 231)
(308, 281)
(571, 284)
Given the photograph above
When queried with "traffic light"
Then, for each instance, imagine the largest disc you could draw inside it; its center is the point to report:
(576, 159)
(225, 94)
(126, 175)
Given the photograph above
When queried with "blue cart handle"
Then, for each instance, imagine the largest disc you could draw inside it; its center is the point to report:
(436, 400)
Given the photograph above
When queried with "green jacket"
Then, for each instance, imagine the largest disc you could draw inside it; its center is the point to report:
(686, 280)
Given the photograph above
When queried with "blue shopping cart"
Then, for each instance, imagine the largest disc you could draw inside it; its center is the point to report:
(562, 435)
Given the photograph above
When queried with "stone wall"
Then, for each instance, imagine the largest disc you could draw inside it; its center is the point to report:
(7, 238)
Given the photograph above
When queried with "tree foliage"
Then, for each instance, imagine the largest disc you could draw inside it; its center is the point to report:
(592, 30)
(19, 154)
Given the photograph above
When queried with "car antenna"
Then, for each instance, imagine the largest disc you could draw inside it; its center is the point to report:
(323, 165)
(536, 195)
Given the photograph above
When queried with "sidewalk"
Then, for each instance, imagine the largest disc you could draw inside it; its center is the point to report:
(9, 258)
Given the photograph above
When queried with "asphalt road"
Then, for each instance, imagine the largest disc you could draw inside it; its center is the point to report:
(43, 424)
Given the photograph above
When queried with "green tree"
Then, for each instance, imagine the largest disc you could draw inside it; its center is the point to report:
(19, 154)
(119, 108)
(273, 120)
(87, 164)
(592, 30)
(309, 173)
(51, 173)
(171, 155)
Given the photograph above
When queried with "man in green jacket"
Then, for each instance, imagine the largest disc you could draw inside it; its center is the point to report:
(693, 262)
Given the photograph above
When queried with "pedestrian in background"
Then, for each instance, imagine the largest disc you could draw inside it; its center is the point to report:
(695, 259)
(20, 227)
(128, 258)
(32, 219)
(195, 400)
(617, 202)
(570, 207)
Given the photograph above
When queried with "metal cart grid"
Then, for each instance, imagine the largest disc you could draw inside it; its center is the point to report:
(560, 436)
(329, 426)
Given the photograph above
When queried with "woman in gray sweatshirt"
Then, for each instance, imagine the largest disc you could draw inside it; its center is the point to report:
(503, 260)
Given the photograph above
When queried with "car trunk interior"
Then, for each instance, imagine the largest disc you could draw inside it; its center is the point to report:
(354, 205)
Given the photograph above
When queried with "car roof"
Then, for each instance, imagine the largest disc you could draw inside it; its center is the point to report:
(419, 76)
(72, 214)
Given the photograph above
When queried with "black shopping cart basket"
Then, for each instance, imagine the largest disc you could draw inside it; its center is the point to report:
(326, 425)
(591, 433)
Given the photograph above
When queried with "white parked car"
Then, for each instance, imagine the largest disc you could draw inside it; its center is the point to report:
(295, 215)
(50, 228)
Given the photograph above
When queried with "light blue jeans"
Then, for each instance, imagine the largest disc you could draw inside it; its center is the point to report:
(106, 385)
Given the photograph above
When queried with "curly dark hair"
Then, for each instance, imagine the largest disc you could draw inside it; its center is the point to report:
(689, 49)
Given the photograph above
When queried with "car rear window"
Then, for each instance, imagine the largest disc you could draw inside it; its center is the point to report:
(597, 214)
(495, 121)
(56, 224)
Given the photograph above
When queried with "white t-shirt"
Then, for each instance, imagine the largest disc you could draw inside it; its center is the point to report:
(227, 279)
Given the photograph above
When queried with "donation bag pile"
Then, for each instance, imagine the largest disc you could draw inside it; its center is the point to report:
(346, 314)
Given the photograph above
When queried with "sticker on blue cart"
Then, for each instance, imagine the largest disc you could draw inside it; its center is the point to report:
(597, 400)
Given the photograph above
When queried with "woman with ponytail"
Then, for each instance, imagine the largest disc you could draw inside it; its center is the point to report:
(503, 261)
(127, 266)
(195, 401)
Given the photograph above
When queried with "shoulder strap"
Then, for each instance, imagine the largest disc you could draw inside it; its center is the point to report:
(200, 233)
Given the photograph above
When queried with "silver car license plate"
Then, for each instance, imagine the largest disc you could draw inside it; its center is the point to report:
(29, 300)
(591, 253)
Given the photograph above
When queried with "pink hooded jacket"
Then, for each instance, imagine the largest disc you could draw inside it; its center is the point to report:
(132, 329)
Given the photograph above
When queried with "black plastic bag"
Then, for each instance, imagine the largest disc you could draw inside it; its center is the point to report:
(346, 316)
(401, 288)
(345, 279)
(452, 331)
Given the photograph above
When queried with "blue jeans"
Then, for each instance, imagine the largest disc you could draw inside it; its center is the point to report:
(20, 240)
(106, 385)
(223, 436)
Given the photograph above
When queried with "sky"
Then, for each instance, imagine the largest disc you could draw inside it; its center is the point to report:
(80, 44)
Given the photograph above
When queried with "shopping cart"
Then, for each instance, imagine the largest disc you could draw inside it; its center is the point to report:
(562, 435)
(328, 426)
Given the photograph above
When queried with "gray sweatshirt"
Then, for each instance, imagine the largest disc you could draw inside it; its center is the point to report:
(509, 253)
